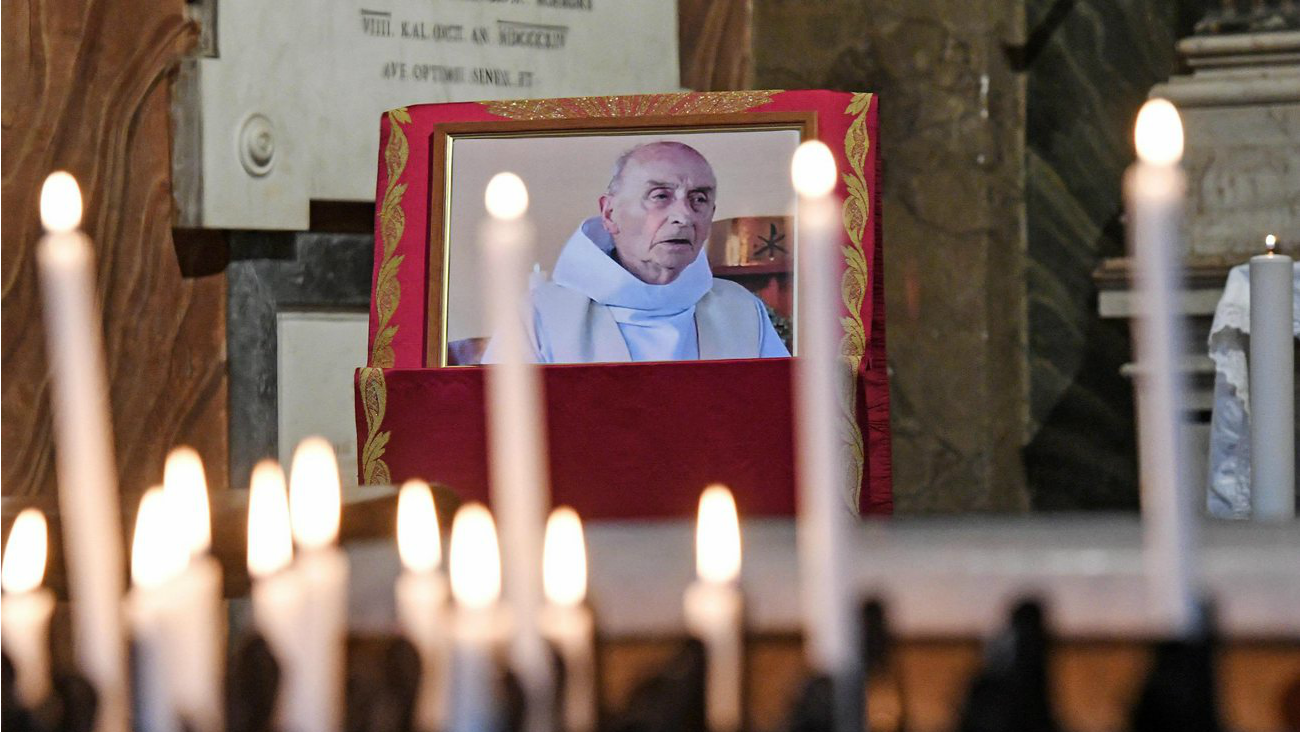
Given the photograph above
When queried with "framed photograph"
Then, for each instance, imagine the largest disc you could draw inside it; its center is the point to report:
(641, 216)
(672, 211)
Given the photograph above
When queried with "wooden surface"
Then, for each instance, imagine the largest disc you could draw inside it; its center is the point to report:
(86, 89)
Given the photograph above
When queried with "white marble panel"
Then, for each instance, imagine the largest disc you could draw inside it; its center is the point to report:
(289, 106)
(317, 353)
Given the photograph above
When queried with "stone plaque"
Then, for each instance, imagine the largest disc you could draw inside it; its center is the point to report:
(284, 106)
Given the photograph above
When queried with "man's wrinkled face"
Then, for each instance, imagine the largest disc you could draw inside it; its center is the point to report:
(660, 211)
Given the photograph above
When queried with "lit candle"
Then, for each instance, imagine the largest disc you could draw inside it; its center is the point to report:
(714, 608)
(824, 520)
(566, 621)
(314, 684)
(520, 484)
(480, 625)
(26, 609)
(157, 558)
(1153, 189)
(422, 599)
(1272, 386)
(276, 596)
(88, 499)
(196, 651)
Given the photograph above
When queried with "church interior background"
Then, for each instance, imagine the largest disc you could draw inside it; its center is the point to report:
(1005, 126)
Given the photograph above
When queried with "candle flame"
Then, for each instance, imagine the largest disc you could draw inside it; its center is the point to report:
(1159, 133)
(270, 544)
(418, 541)
(187, 488)
(60, 203)
(157, 551)
(564, 558)
(24, 561)
(1270, 243)
(314, 494)
(813, 169)
(475, 558)
(717, 536)
(506, 196)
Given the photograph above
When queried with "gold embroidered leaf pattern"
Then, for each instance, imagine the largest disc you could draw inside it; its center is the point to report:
(853, 287)
(855, 144)
(392, 224)
(639, 105)
(374, 403)
(855, 219)
(859, 103)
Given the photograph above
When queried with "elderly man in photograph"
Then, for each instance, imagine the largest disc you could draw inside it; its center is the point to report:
(634, 284)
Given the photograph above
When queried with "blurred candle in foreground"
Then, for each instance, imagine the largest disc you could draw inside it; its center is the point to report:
(196, 651)
(1153, 190)
(315, 687)
(275, 594)
(26, 608)
(88, 497)
(421, 594)
(714, 608)
(480, 626)
(520, 477)
(157, 558)
(1272, 386)
(566, 621)
(822, 406)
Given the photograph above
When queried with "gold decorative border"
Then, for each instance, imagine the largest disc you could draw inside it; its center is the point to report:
(388, 293)
(374, 402)
(639, 105)
(853, 286)
(392, 222)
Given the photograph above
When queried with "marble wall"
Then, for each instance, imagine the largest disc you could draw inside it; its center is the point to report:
(952, 120)
(1089, 67)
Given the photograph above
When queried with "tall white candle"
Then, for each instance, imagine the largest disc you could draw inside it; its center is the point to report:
(276, 595)
(1272, 386)
(480, 624)
(421, 594)
(88, 498)
(26, 608)
(157, 559)
(315, 683)
(566, 621)
(1153, 190)
(517, 438)
(714, 608)
(824, 520)
(197, 648)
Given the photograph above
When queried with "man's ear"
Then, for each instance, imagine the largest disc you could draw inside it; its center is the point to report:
(607, 214)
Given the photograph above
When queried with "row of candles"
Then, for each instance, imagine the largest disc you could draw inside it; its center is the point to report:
(299, 602)
(299, 591)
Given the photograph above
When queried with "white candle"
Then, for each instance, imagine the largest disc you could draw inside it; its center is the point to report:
(1153, 190)
(824, 520)
(517, 439)
(566, 621)
(421, 593)
(480, 623)
(196, 652)
(157, 558)
(88, 499)
(276, 595)
(1272, 387)
(26, 608)
(714, 608)
(314, 685)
